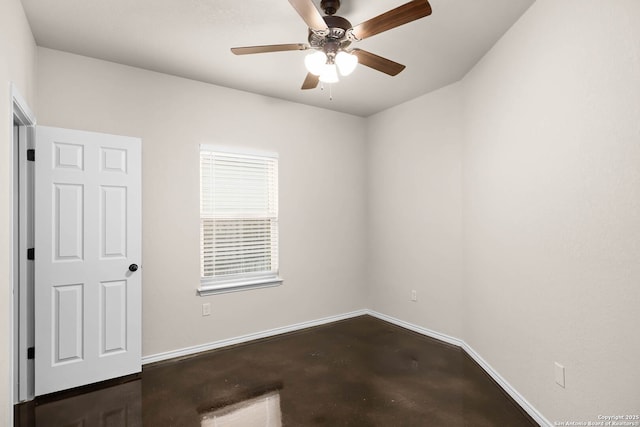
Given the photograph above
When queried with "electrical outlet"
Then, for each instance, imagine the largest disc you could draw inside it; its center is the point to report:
(206, 309)
(414, 295)
(559, 374)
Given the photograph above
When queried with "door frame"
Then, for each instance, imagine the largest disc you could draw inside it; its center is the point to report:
(22, 125)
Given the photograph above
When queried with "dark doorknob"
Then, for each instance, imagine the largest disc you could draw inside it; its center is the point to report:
(133, 267)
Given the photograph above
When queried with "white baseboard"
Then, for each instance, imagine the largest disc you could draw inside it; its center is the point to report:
(419, 329)
(517, 397)
(520, 400)
(188, 351)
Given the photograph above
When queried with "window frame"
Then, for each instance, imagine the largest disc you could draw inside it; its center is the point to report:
(245, 281)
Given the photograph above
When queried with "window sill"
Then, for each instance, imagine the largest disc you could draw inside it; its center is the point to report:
(210, 289)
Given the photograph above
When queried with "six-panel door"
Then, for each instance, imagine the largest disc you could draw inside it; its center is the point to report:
(87, 234)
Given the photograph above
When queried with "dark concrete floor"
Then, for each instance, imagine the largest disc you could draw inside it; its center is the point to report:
(357, 372)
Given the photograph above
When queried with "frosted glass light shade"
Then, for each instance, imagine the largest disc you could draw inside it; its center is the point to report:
(329, 74)
(315, 62)
(346, 62)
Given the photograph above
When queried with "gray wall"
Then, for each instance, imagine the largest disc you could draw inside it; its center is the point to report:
(548, 139)
(551, 196)
(415, 211)
(322, 204)
(17, 65)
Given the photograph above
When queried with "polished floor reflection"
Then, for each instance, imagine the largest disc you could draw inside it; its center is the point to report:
(357, 372)
(262, 411)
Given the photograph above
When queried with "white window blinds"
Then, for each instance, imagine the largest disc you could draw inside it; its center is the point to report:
(238, 217)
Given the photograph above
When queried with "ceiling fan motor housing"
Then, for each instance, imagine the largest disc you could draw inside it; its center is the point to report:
(337, 33)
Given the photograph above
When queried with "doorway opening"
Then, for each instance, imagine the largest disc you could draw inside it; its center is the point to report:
(22, 269)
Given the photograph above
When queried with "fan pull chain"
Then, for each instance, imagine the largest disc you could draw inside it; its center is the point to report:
(330, 90)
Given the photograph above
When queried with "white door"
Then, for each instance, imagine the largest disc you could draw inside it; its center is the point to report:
(87, 244)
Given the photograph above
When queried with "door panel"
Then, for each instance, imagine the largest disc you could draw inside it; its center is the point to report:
(66, 323)
(113, 317)
(87, 233)
(113, 222)
(68, 214)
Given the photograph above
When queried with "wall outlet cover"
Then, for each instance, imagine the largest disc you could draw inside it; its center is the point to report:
(206, 309)
(559, 374)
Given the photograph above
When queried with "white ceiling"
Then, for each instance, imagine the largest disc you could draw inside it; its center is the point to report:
(191, 38)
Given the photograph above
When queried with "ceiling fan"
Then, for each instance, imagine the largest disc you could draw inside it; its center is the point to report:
(330, 38)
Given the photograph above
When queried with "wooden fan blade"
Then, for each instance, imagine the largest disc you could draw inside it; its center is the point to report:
(309, 14)
(247, 50)
(310, 82)
(394, 18)
(378, 63)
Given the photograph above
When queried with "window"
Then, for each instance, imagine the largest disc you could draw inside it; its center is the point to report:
(238, 220)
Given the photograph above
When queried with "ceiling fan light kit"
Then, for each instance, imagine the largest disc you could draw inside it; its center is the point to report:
(315, 62)
(346, 63)
(323, 66)
(330, 38)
